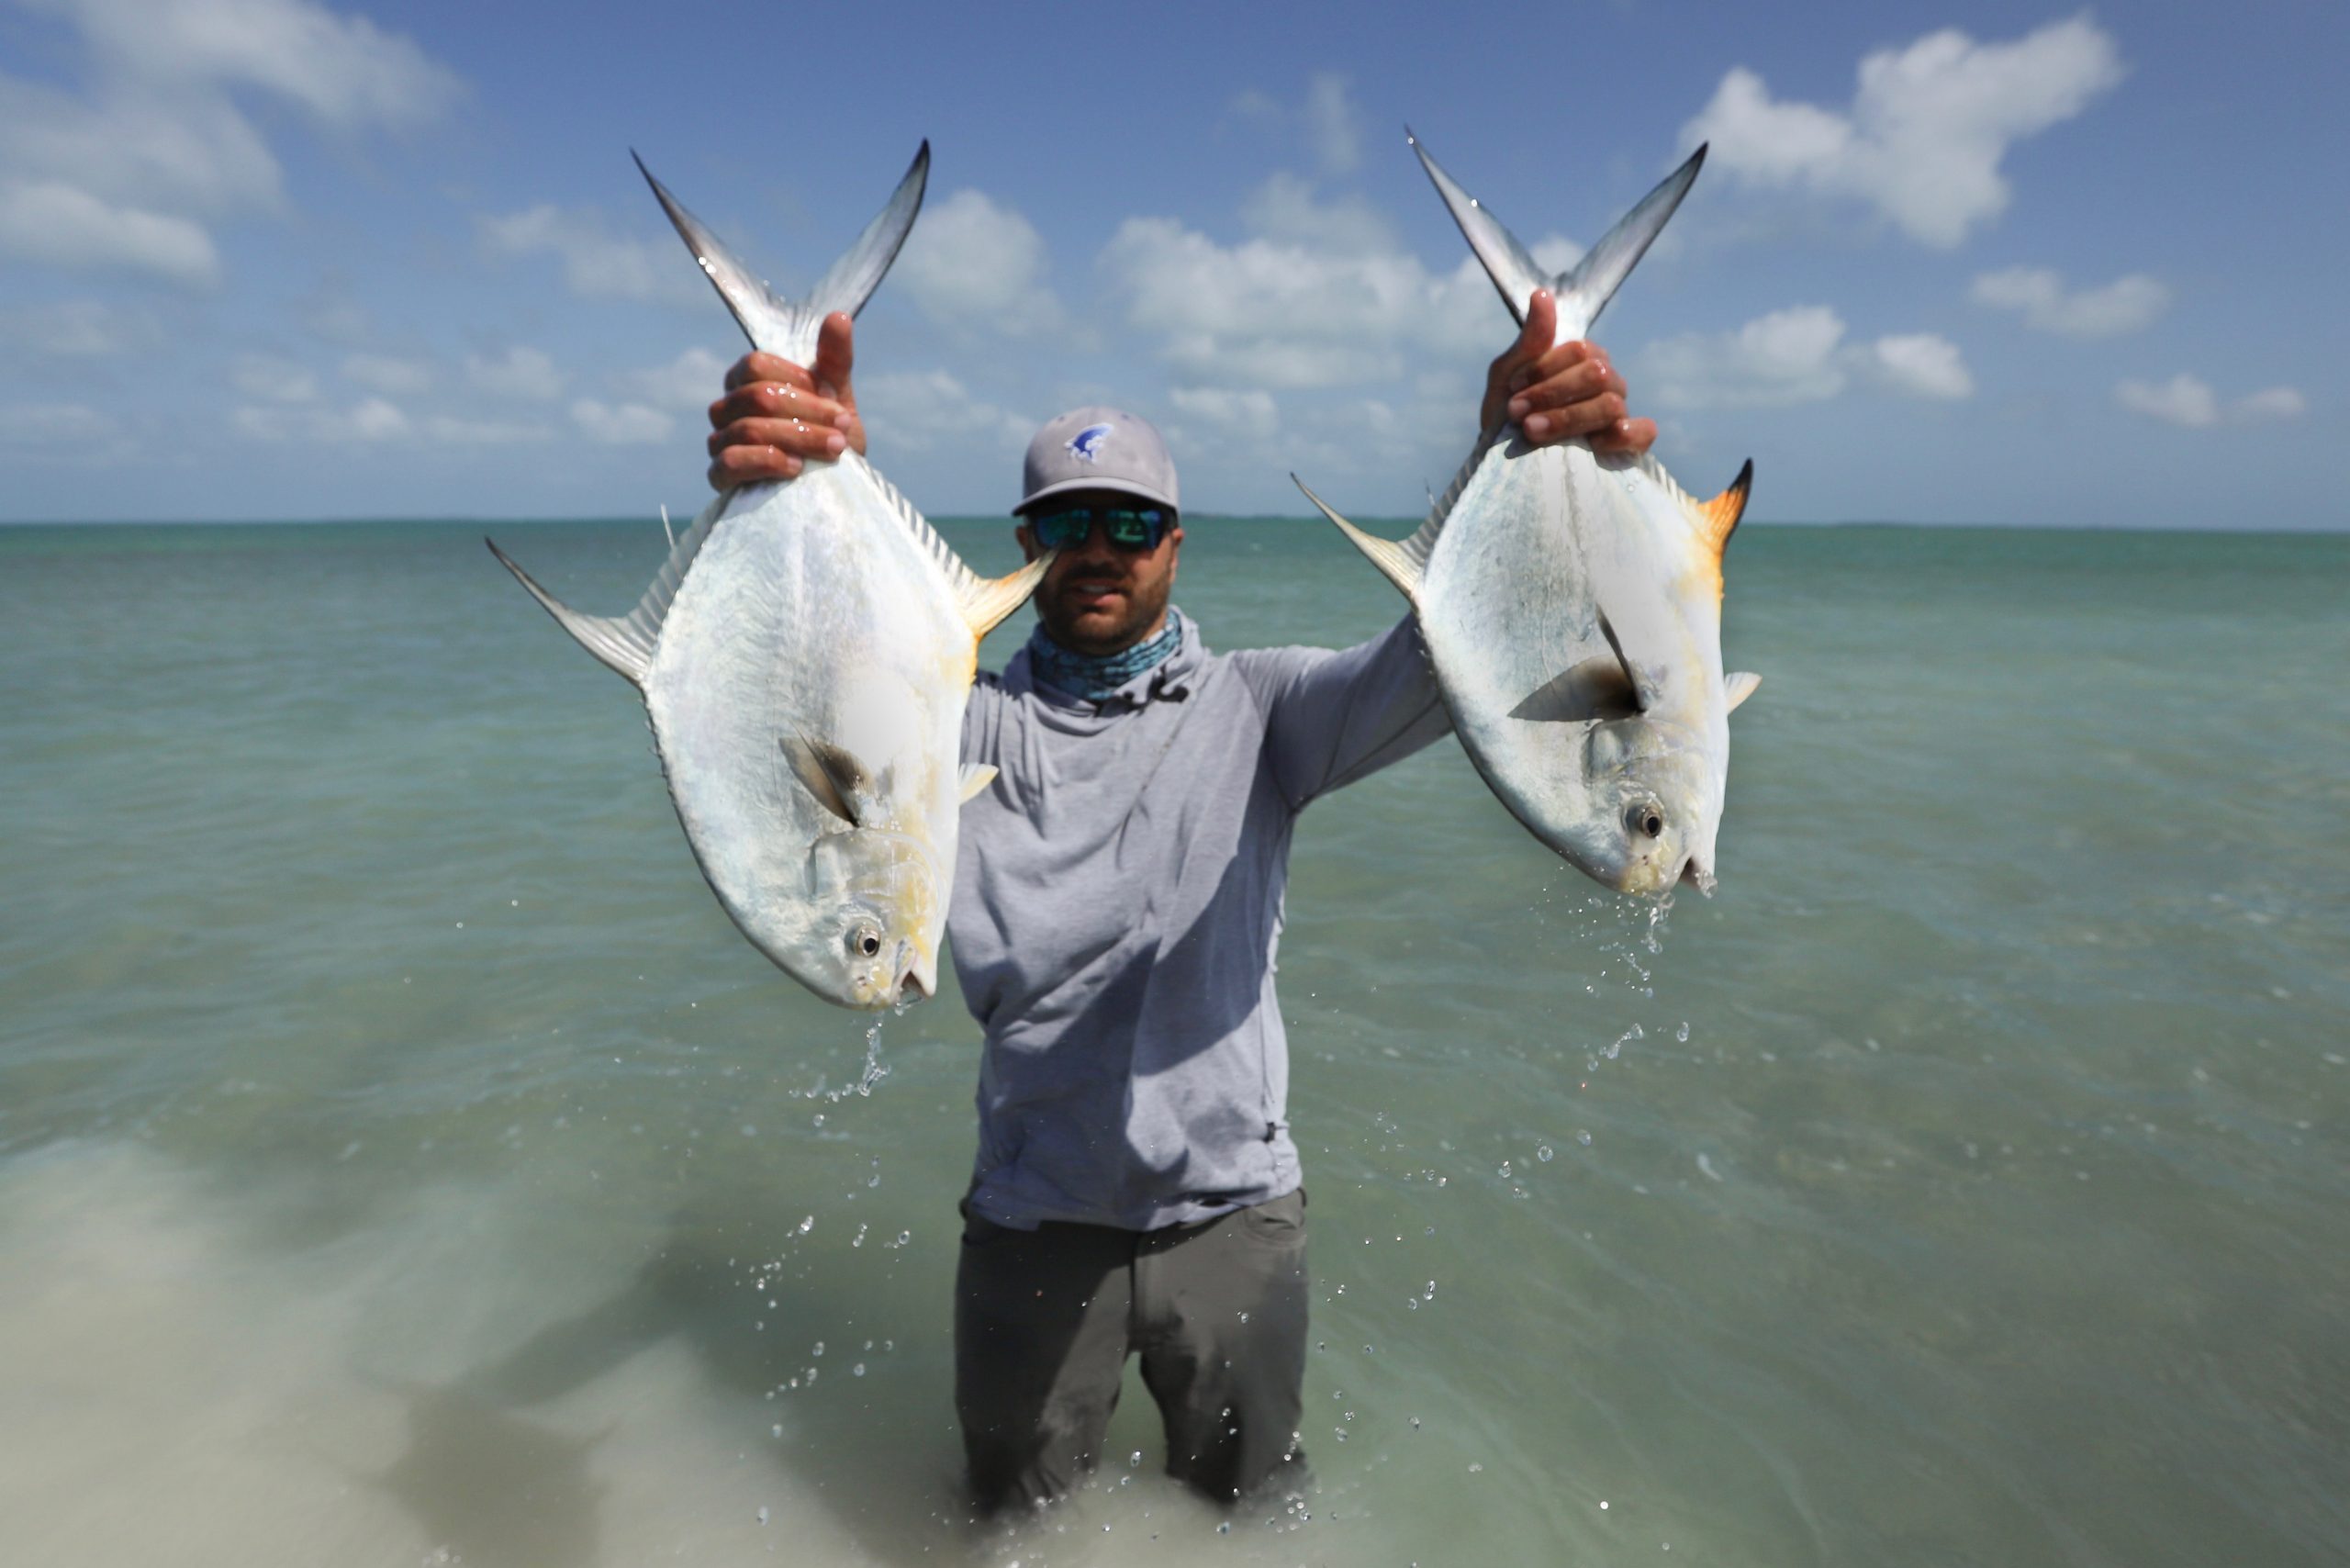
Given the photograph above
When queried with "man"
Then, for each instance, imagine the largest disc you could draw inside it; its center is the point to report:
(1117, 902)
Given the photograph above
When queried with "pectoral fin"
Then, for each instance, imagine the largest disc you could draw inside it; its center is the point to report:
(1740, 684)
(1595, 688)
(1645, 694)
(836, 778)
(977, 776)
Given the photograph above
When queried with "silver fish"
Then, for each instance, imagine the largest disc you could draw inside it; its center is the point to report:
(1572, 605)
(804, 655)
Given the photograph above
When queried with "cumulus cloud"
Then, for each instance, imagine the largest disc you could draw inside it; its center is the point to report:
(46, 426)
(2189, 402)
(596, 264)
(383, 372)
(689, 383)
(126, 169)
(77, 329)
(67, 227)
(1253, 410)
(273, 379)
(370, 422)
(1330, 124)
(1797, 355)
(519, 372)
(973, 263)
(922, 409)
(2038, 294)
(621, 424)
(1928, 127)
(1923, 365)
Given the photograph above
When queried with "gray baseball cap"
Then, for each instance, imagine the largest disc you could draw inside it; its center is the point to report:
(1099, 449)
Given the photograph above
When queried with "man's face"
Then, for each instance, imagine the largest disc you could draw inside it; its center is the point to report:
(1097, 599)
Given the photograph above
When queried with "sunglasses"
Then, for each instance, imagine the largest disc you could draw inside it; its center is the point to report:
(1128, 528)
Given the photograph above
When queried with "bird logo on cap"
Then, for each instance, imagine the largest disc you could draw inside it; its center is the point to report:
(1086, 444)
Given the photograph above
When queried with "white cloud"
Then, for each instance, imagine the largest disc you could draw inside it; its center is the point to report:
(1252, 410)
(371, 421)
(1287, 313)
(273, 379)
(1923, 365)
(692, 381)
(1287, 209)
(123, 171)
(1330, 124)
(2184, 399)
(2275, 403)
(1928, 127)
(1795, 355)
(342, 68)
(48, 425)
(974, 264)
(519, 372)
(2189, 402)
(596, 264)
(393, 377)
(921, 409)
(67, 227)
(77, 329)
(621, 424)
(1787, 356)
(449, 430)
(2125, 305)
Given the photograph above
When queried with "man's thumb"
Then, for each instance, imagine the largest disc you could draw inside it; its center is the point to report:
(835, 357)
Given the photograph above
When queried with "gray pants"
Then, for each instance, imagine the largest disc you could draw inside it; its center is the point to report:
(1045, 1321)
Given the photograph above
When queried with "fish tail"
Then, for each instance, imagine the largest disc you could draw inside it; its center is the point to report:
(1584, 290)
(784, 327)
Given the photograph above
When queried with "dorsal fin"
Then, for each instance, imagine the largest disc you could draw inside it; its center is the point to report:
(1405, 561)
(985, 601)
(625, 643)
(787, 327)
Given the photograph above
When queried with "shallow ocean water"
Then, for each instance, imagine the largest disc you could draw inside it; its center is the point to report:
(402, 1161)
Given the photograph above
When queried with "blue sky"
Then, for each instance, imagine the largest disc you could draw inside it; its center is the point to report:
(1984, 263)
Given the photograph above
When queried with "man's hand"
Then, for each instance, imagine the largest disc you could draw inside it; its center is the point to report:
(777, 415)
(1555, 392)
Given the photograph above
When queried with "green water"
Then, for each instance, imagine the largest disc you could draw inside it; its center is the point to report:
(402, 1161)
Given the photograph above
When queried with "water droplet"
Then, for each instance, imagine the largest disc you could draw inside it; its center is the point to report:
(763, 1516)
(1583, 1137)
(1681, 1033)
(1545, 1154)
(777, 1427)
(857, 1371)
(1134, 1458)
(1505, 1170)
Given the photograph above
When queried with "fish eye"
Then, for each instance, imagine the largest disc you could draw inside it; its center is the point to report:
(1646, 818)
(865, 940)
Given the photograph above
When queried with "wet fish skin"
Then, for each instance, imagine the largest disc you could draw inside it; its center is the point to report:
(1571, 606)
(805, 655)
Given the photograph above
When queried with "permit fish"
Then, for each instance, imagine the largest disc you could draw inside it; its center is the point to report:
(804, 655)
(1571, 604)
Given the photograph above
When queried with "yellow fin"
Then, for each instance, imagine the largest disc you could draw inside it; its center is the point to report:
(1717, 518)
(977, 776)
(985, 602)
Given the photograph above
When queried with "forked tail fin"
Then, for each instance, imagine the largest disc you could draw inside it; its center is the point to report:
(787, 327)
(1583, 289)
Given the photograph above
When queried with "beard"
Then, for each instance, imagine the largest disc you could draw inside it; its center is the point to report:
(1084, 623)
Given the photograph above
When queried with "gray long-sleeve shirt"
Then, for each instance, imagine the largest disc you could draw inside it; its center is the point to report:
(1117, 902)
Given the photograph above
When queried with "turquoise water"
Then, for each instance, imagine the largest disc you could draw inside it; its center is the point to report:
(402, 1161)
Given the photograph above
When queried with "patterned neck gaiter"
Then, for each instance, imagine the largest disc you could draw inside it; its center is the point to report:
(1095, 678)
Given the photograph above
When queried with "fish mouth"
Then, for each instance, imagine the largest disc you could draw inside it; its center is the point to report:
(913, 985)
